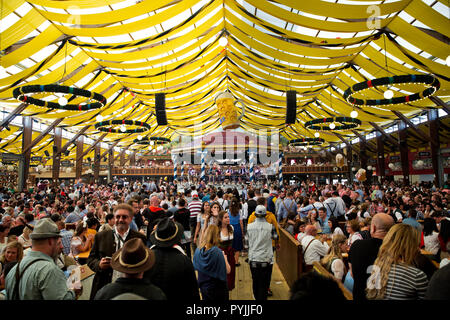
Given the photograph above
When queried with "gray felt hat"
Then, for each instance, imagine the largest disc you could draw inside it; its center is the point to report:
(45, 228)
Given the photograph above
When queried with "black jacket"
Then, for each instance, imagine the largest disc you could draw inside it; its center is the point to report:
(141, 287)
(174, 273)
(105, 246)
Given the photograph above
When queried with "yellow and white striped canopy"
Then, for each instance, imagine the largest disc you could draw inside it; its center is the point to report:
(130, 50)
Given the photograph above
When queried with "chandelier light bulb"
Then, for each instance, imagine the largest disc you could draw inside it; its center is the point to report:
(99, 118)
(316, 134)
(223, 41)
(62, 101)
(139, 137)
(388, 94)
(123, 129)
(354, 114)
(332, 126)
(447, 61)
(152, 143)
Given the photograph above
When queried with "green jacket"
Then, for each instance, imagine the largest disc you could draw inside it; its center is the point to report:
(43, 280)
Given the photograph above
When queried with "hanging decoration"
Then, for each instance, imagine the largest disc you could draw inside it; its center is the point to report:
(20, 94)
(425, 79)
(105, 126)
(361, 175)
(329, 124)
(340, 160)
(160, 140)
(306, 142)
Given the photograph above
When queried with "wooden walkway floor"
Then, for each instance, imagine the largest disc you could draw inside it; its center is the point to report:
(243, 289)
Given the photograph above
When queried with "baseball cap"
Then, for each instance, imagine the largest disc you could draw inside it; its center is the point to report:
(260, 211)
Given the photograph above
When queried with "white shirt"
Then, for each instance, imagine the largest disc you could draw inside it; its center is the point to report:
(399, 216)
(356, 236)
(337, 230)
(432, 242)
(223, 203)
(335, 206)
(338, 269)
(119, 244)
(300, 236)
(315, 251)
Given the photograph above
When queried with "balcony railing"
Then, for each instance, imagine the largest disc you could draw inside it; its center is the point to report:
(169, 170)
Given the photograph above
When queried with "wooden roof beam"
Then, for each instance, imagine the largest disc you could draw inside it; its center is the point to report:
(42, 135)
(379, 129)
(414, 127)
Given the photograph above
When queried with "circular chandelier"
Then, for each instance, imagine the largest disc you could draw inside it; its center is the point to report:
(329, 124)
(152, 140)
(21, 94)
(105, 126)
(425, 79)
(306, 142)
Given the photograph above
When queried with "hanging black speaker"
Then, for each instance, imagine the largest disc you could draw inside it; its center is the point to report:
(67, 152)
(160, 108)
(46, 153)
(291, 106)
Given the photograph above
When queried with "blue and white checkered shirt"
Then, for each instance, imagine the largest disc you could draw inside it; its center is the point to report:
(66, 238)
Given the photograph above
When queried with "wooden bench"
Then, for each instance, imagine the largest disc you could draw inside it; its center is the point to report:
(324, 272)
(290, 257)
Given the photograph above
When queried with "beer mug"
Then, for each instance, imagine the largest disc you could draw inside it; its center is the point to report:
(339, 160)
(228, 114)
(361, 175)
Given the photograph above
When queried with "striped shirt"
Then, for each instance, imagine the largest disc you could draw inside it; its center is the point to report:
(195, 207)
(406, 283)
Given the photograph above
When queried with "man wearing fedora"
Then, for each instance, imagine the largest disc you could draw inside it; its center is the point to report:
(106, 243)
(36, 276)
(173, 271)
(132, 260)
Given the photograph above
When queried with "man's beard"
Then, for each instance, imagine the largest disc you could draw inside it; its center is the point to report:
(122, 227)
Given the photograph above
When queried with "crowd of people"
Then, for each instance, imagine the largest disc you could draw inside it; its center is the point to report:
(154, 241)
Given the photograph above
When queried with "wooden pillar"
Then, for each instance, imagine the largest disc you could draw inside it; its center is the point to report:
(122, 158)
(362, 153)
(57, 141)
(402, 135)
(110, 163)
(349, 163)
(133, 159)
(436, 158)
(26, 142)
(97, 163)
(380, 156)
(79, 157)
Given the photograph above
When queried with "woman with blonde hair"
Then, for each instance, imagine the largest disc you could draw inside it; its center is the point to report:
(13, 252)
(81, 241)
(393, 276)
(24, 238)
(333, 261)
(212, 266)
